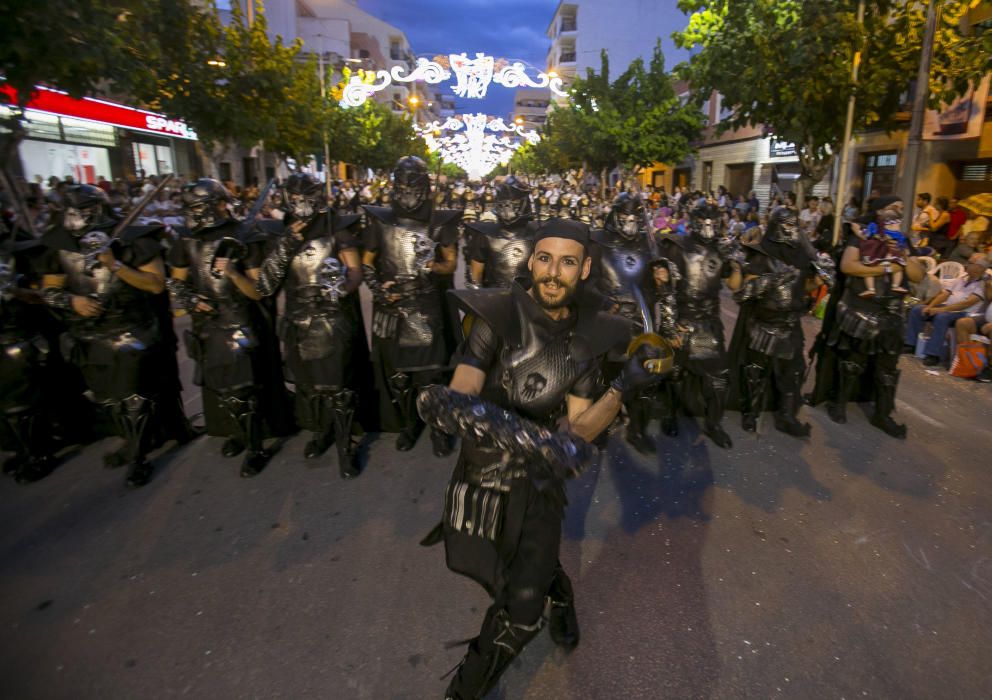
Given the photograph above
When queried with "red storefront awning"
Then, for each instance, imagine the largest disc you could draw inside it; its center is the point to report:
(95, 110)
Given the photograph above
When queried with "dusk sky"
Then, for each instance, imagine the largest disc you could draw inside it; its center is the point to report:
(512, 29)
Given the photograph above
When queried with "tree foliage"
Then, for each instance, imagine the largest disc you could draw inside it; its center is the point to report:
(786, 64)
(631, 122)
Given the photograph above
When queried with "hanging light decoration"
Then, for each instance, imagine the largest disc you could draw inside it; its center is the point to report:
(476, 143)
(473, 76)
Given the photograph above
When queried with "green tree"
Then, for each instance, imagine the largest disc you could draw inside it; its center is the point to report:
(631, 122)
(786, 64)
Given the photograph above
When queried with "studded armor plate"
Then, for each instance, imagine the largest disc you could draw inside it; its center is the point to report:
(623, 266)
(510, 252)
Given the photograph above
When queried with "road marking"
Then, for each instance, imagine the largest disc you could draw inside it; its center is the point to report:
(903, 406)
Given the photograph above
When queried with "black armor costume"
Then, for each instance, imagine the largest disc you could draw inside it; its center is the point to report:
(503, 509)
(767, 349)
(703, 259)
(232, 337)
(409, 349)
(117, 347)
(858, 348)
(24, 355)
(623, 273)
(320, 326)
(503, 247)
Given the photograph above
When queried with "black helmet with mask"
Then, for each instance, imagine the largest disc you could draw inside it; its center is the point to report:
(86, 208)
(303, 197)
(512, 203)
(626, 217)
(411, 184)
(704, 221)
(205, 204)
(783, 227)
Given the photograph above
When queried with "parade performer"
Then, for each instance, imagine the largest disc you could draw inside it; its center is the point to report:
(215, 269)
(26, 397)
(531, 363)
(704, 261)
(403, 246)
(316, 262)
(104, 282)
(862, 335)
(500, 250)
(624, 263)
(766, 352)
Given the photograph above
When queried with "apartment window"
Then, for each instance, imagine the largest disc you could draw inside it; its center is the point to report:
(395, 51)
(880, 173)
(568, 24)
(364, 53)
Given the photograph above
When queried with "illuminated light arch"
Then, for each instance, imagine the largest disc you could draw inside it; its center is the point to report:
(473, 77)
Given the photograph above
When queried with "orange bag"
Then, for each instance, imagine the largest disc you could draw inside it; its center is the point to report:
(969, 360)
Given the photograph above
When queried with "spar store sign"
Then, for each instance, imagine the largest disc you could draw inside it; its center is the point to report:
(60, 104)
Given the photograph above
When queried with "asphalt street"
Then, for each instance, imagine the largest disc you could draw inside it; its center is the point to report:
(847, 565)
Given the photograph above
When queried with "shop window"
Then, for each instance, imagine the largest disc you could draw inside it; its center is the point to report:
(80, 131)
(225, 172)
(880, 174)
(41, 126)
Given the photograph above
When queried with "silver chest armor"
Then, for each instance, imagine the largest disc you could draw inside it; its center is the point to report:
(510, 253)
(703, 272)
(623, 266)
(406, 249)
(204, 282)
(81, 279)
(309, 260)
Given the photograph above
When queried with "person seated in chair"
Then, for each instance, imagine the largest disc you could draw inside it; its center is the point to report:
(962, 297)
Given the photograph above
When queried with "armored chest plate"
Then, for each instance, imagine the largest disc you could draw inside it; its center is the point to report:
(510, 254)
(308, 261)
(406, 249)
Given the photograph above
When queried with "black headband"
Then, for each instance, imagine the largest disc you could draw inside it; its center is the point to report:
(563, 228)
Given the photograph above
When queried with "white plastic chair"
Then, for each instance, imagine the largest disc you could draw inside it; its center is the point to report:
(948, 270)
(929, 263)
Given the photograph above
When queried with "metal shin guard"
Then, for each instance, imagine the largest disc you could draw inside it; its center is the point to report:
(885, 403)
(344, 415)
(133, 417)
(322, 411)
(850, 376)
(401, 387)
(489, 655)
(755, 386)
(563, 624)
(243, 410)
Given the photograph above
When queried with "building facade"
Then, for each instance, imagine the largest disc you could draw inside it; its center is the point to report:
(90, 138)
(531, 105)
(581, 30)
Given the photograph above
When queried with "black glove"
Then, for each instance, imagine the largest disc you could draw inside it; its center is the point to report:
(634, 378)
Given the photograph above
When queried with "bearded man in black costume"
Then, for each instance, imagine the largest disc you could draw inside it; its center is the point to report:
(317, 264)
(704, 260)
(405, 246)
(530, 365)
(215, 270)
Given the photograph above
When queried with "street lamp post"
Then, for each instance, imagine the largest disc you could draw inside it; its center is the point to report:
(323, 126)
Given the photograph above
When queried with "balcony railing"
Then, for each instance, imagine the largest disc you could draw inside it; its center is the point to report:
(567, 25)
(566, 57)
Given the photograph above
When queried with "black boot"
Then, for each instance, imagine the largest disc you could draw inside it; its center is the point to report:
(134, 416)
(563, 623)
(442, 444)
(638, 416)
(716, 388)
(344, 415)
(755, 384)
(34, 459)
(489, 655)
(785, 417)
(885, 403)
(850, 376)
(322, 419)
(668, 407)
(232, 447)
(408, 438)
(249, 426)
